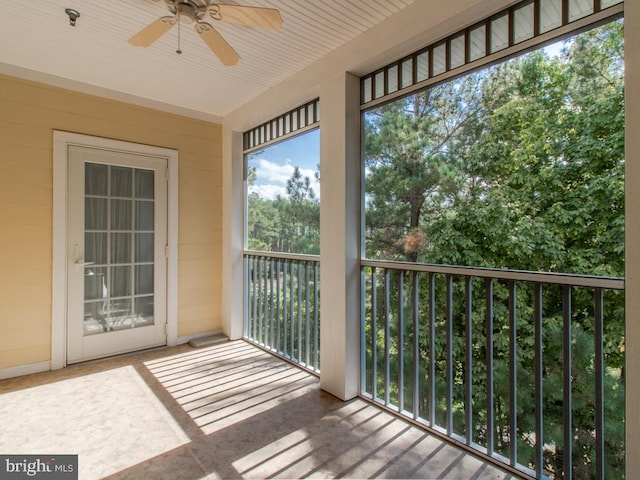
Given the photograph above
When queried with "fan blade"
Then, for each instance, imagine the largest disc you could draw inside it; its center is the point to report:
(152, 32)
(217, 44)
(252, 16)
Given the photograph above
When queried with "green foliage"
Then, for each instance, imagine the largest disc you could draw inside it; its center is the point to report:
(286, 224)
(518, 166)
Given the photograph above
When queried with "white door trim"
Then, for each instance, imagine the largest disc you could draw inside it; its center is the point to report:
(61, 143)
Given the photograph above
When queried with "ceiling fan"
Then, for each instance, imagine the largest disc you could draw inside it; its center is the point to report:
(196, 12)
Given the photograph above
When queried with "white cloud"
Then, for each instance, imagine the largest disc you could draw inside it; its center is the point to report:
(272, 172)
(272, 178)
(268, 192)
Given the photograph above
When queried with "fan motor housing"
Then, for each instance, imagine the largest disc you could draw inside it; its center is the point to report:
(189, 10)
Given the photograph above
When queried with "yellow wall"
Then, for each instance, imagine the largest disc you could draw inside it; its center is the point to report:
(29, 112)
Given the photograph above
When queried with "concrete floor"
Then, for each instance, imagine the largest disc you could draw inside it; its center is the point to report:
(227, 411)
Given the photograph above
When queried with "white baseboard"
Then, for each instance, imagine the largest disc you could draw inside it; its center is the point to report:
(21, 370)
(39, 367)
(188, 338)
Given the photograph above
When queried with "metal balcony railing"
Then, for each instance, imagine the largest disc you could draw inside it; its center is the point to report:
(282, 305)
(526, 368)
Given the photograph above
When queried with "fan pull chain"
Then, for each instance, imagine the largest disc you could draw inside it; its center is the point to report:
(178, 51)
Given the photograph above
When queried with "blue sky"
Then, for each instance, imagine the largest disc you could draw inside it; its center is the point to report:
(275, 164)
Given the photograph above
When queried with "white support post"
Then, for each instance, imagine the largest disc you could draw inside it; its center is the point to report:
(340, 236)
(233, 242)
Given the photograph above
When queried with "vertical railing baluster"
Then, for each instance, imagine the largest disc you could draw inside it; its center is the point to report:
(267, 300)
(449, 353)
(363, 334)
(260, 318)
(387, 333)
(489, 364)
(538, 373)
(248, 331)
(374, 332)
(316, 315)
(267, 294)
(264, 300)
(265, 316)
(299, 315)
(254, 321)
(292, 305)
(513, 340)
(400, 341)
(307, 316)
(599, 371)
(271, 309)
(432, 349)
(567, 367)
(415, 286)
(292, 313)
(245, 295)
(285, 306)
(258, 311)
(278, 302)
(468, 310)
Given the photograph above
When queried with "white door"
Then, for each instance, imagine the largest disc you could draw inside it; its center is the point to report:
(116, 267)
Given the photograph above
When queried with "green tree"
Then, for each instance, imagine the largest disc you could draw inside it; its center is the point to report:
(288, 223)
(303, 214)
(517, 166)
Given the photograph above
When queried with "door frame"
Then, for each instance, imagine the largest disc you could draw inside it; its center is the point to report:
(61, 142)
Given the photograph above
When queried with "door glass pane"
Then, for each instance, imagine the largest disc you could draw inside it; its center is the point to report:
(120, 214)
(94, 175)
(144, 215)
(121, 178)
(144, 279)
(121, 248)
(119, 243)
(95, 247)
(95, 287)
(120, 281)
(95, 291)
(144, 307)
(119, 314)
(95, 213)
(144, 247)
(144, 184)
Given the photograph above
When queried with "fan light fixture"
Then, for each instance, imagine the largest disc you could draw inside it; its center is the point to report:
(196, 12)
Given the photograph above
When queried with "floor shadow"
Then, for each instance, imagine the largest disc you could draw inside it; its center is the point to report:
(248, 414)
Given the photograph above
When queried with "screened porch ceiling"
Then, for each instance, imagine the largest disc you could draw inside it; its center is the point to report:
(38, 43)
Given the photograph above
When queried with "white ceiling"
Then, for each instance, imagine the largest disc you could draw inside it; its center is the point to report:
(37, 42)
